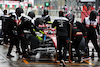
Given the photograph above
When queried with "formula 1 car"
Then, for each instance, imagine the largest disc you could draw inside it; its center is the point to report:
(47, 47)
(49, 44)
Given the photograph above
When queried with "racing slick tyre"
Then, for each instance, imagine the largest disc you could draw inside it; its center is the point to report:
(34, 42)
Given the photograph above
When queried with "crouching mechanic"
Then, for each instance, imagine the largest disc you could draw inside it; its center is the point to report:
(78, 30)
(62, 28)
(26, 24)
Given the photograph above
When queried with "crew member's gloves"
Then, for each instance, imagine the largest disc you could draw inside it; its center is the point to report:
(39, 38)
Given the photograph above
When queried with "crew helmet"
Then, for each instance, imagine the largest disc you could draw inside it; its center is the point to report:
(31, 14)
(93, 15)
(70, 17)
(19, 11)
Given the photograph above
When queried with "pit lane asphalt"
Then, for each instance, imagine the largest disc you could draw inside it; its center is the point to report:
(17, 61)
